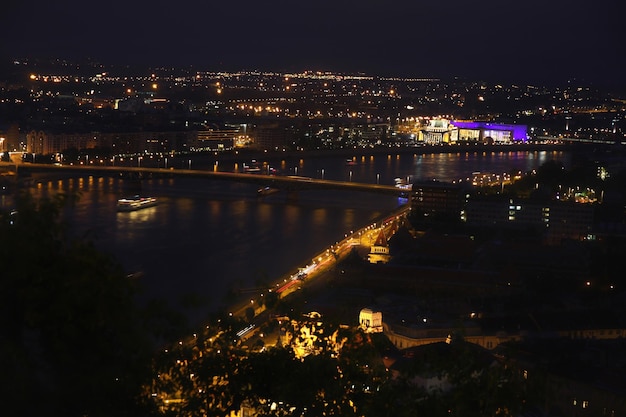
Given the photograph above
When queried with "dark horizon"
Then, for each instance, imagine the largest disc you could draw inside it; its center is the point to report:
(50, 62)
(534, 42)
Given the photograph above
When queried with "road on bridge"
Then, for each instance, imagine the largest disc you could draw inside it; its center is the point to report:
(288, 183)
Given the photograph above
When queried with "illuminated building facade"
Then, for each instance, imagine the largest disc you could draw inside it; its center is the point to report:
(371, 321)
(215, 138)
(437, 131)
(47, 143)
(379, 251)
(469, 131)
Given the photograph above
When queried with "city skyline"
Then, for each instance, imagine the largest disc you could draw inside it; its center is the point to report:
(533, 41)
(194, 202)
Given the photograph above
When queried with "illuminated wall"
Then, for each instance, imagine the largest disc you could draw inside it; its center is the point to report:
(498, 132)
(436, 132)
(469, 135)
(370, 320)
(498, 136)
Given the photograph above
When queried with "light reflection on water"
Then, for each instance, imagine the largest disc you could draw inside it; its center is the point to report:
(206, 237)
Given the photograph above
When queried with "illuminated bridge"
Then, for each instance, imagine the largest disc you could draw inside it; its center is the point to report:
(287, 183)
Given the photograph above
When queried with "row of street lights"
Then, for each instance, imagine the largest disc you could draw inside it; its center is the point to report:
(350, 175)
(189, 164)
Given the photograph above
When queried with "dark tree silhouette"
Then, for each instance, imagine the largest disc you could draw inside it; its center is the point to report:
(72, 343)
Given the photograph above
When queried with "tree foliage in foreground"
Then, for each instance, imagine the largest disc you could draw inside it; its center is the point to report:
(211, 375)
(72, 343)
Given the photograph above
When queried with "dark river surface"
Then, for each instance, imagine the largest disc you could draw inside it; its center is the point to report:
(207, 237)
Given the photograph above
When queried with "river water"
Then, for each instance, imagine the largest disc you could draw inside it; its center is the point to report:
(206, 237)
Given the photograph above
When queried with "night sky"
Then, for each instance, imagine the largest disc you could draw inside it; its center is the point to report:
(547, 40)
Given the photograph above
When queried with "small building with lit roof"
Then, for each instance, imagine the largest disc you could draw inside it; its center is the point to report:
(371, 321)
(379, 251)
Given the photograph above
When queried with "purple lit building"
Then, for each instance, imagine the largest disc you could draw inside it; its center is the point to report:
(486, 132)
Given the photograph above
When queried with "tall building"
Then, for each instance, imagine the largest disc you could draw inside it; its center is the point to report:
(438, 197)
(9, 138)
(555, 220)
(270, 137)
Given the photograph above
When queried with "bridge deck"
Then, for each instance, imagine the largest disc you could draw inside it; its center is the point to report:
(289, 183)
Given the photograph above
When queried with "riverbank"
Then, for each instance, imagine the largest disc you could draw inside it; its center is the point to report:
(245, 155)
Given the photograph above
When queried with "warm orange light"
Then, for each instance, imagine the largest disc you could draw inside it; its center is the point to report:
(154, 86)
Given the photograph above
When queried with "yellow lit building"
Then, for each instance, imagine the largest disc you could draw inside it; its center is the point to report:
(371, 321)
(379, 252)
(436, 132)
